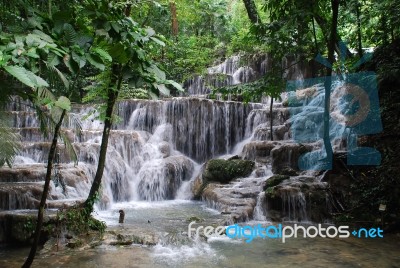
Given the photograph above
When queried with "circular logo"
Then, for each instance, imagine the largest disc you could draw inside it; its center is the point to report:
(350, 104)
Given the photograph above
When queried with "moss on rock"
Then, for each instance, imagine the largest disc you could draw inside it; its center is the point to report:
(223, 171)
(275, 180)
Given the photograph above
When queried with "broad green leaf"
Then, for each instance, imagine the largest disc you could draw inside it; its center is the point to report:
(71, 64)
(153, 96)
(80, 60)
(95, 61)
(158, 41)
(175, 85)
(116, 27)
(150, 32)
(32, 53)
(37, 80)
(162, 88)
(160, 75)
(60, 76)
(63, 103)
(53, 59)
(118, 53)
(103, 54)
(43, 36)
(26, 77)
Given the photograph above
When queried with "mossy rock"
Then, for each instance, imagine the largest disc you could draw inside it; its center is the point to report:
(275, 180)
(288, 171)
(223, 171)
(194, 218)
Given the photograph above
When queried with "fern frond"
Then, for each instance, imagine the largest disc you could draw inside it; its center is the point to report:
(69, 147)
(9, 141)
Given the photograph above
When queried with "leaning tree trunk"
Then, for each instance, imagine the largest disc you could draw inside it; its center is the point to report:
(112, 96)
(42, 205)
(252, 12)
(328, 80)
(359, 35)
(271, 119)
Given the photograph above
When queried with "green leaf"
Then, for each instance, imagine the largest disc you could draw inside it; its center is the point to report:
(38, 81)
(158, 41)
(53, 59)
(63, 103)
(162, 89)
(78, 59)
(116, 27)
(118, 53)
(60, 76)
(95, 61)
(71, 64)
(103, 54)
(26, 77)
(43, 36)
(160, 75)
(70, 34)
(150, 32)
(175, 85)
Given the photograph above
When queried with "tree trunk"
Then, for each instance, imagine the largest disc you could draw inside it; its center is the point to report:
(271, 121)
(252, 11)
(323, 24)
(111, 99)
(174, 19)
(42, 205)
(328, 80)
(358, 11)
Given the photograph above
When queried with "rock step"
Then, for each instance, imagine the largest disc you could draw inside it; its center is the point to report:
(280, 132)
(236, 199)
(20, 195)
(23, 173)
(16, 226)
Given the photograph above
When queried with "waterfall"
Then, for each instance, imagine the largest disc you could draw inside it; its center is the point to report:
(153, 150)
(240, 69)
(156, 148)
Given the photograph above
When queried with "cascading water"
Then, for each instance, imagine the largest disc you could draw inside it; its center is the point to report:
(155, 152)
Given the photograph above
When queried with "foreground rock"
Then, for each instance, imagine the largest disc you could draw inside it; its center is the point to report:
(225, 185)
(300, 199)
(17, 227)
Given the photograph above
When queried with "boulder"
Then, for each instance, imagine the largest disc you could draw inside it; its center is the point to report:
(224, 171)
(287, 155)
(274, 181)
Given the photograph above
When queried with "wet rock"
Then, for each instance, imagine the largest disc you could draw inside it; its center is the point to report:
(161, 179)
(286, 156)
(165, 149)
(198, 186)
(18, 226)
(274, 181)
(224, 171)
(119, 236)
(194, 218)
(288, 171)
(74, 243)
(24, 195)
(237, 203)
(297, 199)
(258, 150)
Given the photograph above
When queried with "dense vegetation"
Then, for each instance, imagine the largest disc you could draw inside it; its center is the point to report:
(54, 53)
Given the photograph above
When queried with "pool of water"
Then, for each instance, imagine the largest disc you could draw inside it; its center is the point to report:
(170, 221)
